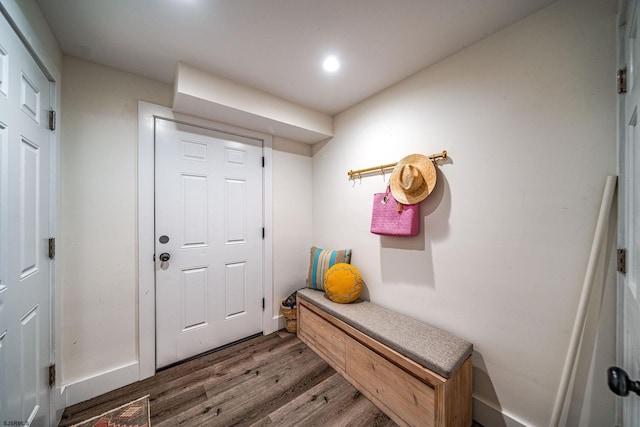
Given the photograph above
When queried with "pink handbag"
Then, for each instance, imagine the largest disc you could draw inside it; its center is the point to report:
(390, 218)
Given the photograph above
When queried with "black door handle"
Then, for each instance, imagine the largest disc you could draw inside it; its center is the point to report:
(164, 257)
(620, 383)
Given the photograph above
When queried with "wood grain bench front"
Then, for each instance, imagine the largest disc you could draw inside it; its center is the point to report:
(417, 374)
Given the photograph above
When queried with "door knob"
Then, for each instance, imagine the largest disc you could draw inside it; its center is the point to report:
(620, 383)
(164, 257)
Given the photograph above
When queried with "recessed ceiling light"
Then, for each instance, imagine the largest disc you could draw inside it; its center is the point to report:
(331, 64)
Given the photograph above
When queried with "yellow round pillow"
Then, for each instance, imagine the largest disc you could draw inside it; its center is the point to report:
(342, 283)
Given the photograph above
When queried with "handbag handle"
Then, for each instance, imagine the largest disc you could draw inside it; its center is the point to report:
(385, 199)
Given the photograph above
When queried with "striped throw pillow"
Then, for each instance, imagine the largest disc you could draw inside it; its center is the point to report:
(321, 260)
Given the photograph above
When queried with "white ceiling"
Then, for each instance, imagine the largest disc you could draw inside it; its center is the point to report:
(278, 45)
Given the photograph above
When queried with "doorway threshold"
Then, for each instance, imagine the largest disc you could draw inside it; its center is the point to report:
(208, 352)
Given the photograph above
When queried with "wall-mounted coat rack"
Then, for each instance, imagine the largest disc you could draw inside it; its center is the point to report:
(358, 173)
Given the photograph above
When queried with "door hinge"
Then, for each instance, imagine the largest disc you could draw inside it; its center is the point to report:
(52, 120)
(262, 304)
(263, 233)
(622, 261)
(262, 161)
(52, 248)
(52, 375)
(622, 80)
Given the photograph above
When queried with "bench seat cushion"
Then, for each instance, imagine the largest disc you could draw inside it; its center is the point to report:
(433, 348)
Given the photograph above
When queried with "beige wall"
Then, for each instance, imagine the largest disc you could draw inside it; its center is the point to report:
(98, 222)
(528, 118)
(98, 228)
(292, 228)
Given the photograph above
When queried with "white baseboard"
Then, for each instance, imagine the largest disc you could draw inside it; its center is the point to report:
(104, 382)
(278, 323)
(489, 416)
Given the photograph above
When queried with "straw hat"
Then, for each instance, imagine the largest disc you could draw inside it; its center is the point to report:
(413, 179)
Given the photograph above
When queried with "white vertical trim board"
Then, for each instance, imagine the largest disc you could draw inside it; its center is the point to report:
(269, 324)
(147, 113)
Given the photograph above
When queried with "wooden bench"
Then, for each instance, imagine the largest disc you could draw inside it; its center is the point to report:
(417, 374)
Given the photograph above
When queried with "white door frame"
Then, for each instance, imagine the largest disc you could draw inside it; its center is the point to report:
(626, 191)
(622, 186)
(146, 217)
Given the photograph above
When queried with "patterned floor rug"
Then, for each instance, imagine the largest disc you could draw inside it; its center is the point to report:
(132, 414)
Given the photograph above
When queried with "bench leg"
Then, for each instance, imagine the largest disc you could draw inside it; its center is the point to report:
(454, 398)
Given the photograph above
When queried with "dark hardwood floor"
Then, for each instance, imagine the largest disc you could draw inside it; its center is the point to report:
(268, 380)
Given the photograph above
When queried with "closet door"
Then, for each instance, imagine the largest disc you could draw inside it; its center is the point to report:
(25, 321)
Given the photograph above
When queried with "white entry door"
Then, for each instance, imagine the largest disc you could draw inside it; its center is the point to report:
(24, 230)
(209, 228)
(629, 298)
